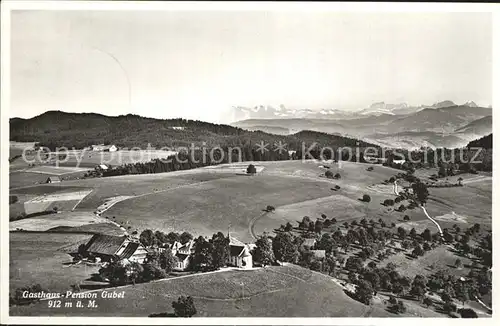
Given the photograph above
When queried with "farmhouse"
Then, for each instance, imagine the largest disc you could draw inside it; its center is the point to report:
(53, 180)
(108, 247)
(104, 148)
(239, 254)
(319, 254)
(308, 243)
(183, 253)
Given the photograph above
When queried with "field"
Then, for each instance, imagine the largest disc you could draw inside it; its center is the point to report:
(253, 293)
(206, 200)
(47, 222)
(40, 257)
(224, 198)
(442, 258)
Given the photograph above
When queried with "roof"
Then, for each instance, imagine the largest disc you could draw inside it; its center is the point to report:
(309, 242)
(181, 257)
(236, 247)
(53, 179)
(129, 250)
(245, 252)
(105, 244)
(319, 253)
(236, 250)
(235, 242)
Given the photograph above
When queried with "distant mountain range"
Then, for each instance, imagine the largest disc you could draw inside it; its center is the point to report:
(375, 109)
(443, 124)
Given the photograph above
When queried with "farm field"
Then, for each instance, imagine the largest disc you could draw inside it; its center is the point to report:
(442, 258)
(47, 222)
(38, 175)
(206, 200)
(40, 258)
(89, 159)
(231, 294)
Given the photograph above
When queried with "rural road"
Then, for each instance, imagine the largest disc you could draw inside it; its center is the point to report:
(396, 192)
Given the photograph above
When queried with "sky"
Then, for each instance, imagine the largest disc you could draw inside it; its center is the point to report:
(197, 65)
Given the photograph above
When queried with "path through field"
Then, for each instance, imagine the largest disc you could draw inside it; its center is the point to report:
(396, 192)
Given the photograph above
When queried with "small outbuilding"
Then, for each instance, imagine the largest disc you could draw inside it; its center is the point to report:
(53, 180)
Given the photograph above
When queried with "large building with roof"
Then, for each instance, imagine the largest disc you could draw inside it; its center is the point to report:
(239, 254)
(109, 247)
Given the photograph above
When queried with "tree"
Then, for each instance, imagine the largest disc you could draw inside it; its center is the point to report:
(329, 174)
(421, 192)
(147, 238)
(220, 251)
(388, 202)
(427, 301)
(166, 260)
(285, 247)
(264, 251)
(460, 179)
(418, 251)
(467, 313)
(251, 169)
(152, 272)
(304, 224)
(364, 292)
(184, 307)
(366, 198)
(318, 226)
(442, 172)
(202, 257)
(413, 233)
(401, 232)
(160, 237)
(186, 237)
(426, 235)
(269, 208)
(354, 264)
(288, 227)
(337, 176)
(406, 218)
(173, 237)
(458, 264)
(419, 287)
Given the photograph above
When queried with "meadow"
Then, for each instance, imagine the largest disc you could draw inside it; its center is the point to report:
(39, 257)
(237, 293)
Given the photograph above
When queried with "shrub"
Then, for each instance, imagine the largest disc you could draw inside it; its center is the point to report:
(251, 169)
(366, 198)
(329, 174)
(13, 199)
(406, 218)
(401, 208)
(269, 208)
(467, 313)
(337, 187)
(388, 202)
(337, 176)
(370, 168)
(18, 299)
(184, 307)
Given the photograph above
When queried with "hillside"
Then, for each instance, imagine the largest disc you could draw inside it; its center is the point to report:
(484, 142)
(288, 291)
(79, 130)
(479, 127)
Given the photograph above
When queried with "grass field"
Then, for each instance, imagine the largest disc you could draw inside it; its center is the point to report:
(47, 222)
(207, 200)
(253, 293)
(26, 177)
(442, 258)
(39, 258)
